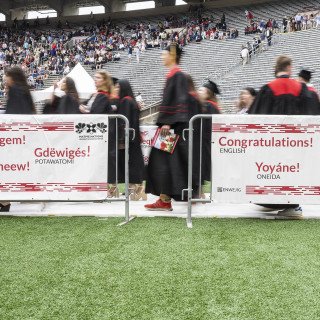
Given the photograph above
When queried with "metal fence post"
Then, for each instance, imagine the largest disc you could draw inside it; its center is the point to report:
(126, 170)
(190, 164)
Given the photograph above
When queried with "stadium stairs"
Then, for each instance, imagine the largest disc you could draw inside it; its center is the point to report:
(216, 60)
(302, 47)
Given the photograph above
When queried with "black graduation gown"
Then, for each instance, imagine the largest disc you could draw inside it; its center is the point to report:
(283, 96)
(68, 105)
(313, 100)
(128, 108)
(18, 101)
(102, 105)
(168, 173)
(51, 107)
(211, 108)
(287, 97)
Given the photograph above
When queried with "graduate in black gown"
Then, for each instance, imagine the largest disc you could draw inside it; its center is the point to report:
(19, 102)
(283, 95)
(69, 103)
(288, 97)
(167, 174)
(195, 107)
(18, 93)
(208, 95)
(128, 107)
(101, 103)
(305, 76)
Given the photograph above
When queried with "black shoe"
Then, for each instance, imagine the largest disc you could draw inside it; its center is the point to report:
(5, 208)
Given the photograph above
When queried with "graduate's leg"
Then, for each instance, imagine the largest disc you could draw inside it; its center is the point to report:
(5, 206)
(163, 204)
(165, 198)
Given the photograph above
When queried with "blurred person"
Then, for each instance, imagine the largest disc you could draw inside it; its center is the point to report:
(19, 97)
(139, 100)
(247, 15)
(317, 19)
(138, 54)
(128, 107)
(69, 103)
(284, 23)
(284, 96)
(19, 101)
(167, 174)
(312, 20)
(208, 95)
(195, 107)
(244, 55)
(269, 36)
(101, 103)
(305, 76)
(246, 99)
(298, 19)
(130, 54)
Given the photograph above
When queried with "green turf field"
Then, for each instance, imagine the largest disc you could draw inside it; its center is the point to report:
(156, 268)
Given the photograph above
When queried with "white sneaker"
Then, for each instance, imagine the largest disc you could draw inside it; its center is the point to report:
(291, 212)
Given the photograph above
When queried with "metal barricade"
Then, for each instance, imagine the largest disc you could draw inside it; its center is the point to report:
(19, 124)
(126, 147)
(190, 166)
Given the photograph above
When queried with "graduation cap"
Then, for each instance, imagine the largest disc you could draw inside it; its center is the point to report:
(174, 50)
(212, 86)
(306, 74)
(114, 80)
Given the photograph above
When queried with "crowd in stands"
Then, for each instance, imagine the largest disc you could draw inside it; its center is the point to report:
(49, 51)
(301, 21)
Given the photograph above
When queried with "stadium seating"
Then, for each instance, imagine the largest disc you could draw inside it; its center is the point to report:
(220, 60)
(217, 60)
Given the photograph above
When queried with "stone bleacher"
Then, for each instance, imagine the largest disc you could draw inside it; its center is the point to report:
(303, 47)
(211, 59)
(216, 59)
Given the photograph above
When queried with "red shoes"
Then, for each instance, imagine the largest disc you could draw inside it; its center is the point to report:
(159, 206)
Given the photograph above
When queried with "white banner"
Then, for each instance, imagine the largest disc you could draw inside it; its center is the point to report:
(54, 157)
(266, 159)
(146, 134)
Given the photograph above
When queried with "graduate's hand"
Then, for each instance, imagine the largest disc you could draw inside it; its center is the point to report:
(83, 109)
(55, 85)
(165, 130)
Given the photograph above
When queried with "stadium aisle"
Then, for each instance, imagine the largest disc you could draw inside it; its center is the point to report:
(116, 209)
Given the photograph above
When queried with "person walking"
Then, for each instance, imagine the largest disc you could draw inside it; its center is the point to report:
(68, 103)
(208, 95)
(101, 103)
(284, 96)
(305, 76)
(130, 53)
(244, 55)
(167, 174)
(19, 102)
(129, 108)
(138, 54)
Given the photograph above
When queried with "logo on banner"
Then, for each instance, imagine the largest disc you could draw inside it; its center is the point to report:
(220, 189)
(91, 130)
